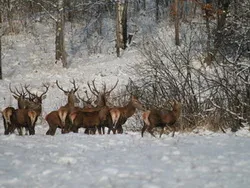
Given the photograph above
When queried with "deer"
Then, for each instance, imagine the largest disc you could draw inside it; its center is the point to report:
(19, 118)
(120, 115)
(34, 101)
(161, 118)
(90, 120)
(58, 118)
(93, 118)
(29, 108)
(25, 118)
(8, 115)
(54, 122)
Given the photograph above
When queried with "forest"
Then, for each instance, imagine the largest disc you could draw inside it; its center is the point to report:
(195, 51)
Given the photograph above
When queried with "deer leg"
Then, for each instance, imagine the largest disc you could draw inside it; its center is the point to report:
(173, 131)
(103, 129)
(51, 131)
(144, 129)
(31, 131)
(162, 130)
(6, 127)
(26, 130)
(119, 129)
(150, 130)
(11, 129)
(99, 129)
(48, 132)
(20, 131)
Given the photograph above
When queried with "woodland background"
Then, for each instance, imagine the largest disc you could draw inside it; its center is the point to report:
(196, 51)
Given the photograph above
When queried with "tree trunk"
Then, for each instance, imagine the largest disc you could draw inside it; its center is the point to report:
(69, 13)
(60, 48)
(157, 17)
(177, 37)
(209, 57)
(121, 26)
(10, 16)
(144, 4)
(1, 75)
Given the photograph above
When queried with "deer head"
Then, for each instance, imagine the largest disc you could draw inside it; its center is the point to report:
(72, 99)
(101, 95)
(35, 97)
(20, 96)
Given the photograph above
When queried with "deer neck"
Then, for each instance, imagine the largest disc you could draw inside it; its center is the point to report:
(101, 101)
(129, 109)
(71, 102)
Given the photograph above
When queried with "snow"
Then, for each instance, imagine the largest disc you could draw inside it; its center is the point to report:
(198, 159)
(74, 160)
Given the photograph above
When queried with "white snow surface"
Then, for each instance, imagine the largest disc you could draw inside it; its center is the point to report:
(190, 160)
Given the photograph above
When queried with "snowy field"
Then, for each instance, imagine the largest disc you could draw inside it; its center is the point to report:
(127, 161)
(194, 160)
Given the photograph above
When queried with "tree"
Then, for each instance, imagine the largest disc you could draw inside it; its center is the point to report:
(121, 25)
(177, 22)
(1, 76)
(60, 48)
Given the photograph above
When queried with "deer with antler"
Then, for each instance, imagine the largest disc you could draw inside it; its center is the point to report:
(34, 101)
(58, 118)
(120, 115)
(97, 117)
(161, 118)
(29, 108)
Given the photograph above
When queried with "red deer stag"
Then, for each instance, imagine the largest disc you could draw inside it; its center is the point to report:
(58, 118)
(33, 102)
(120, 115)
(29, 108)
(22, 101)
(54, 122)
(160, 118)
(36, 99)
(8, 115)
(96, 117)
(25, 118)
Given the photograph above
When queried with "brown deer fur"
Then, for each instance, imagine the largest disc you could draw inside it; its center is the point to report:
(54, 122)
(159, 118)
(120, 115)
(91, 119)
(70, 106)
(8, 118)
(25, 118)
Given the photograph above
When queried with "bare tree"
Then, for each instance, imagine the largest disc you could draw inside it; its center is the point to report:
(177, 23)
(1, 77)
(121, 25)
(60, 47)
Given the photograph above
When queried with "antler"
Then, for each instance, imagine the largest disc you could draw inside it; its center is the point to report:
(17, 93)
(30, 94)
(108, 92)
(60, 87)
(36, 95)
(86, 102)
(93, 90)
(74, 84)
(46, 89)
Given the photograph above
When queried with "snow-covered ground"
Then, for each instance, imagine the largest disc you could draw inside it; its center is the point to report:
(202, 159)
(78, 160)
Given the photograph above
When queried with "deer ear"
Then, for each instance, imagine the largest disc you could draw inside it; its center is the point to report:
(66, 93)
(16, 97)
